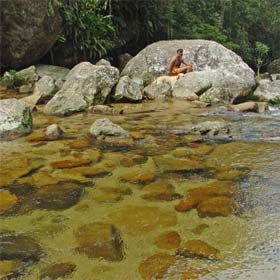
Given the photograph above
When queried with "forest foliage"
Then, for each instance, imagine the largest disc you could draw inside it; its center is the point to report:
(95, 28)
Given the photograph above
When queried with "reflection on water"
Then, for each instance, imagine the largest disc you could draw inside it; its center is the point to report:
(127, 191)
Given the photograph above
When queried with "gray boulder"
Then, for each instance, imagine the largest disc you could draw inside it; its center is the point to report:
(157, 91)
(27, 75)
(268, 90)
(129, 89)
(53, 132)
(224, 68)
(104, 127)
(44, 90)
(103, 61)
(86, 84)
(15, 118)
(274, 66)
(55, 72)
(191, 85)
(29, 29)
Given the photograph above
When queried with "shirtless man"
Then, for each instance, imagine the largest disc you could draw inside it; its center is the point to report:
(174, 65)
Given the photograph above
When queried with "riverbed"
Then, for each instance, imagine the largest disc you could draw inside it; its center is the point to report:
(248, 240)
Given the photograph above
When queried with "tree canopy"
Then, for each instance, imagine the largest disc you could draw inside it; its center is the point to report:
(94, 28)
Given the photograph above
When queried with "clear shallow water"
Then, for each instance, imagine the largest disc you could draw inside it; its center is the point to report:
(248, 242)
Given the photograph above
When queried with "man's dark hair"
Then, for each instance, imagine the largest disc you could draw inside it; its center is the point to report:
(179, 50)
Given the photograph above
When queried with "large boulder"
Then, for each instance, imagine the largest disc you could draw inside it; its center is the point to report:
(29, 29)
(274, 66)
(268, 90)
(86, 84)
(219, 65)
(15, 118)
(129, 89)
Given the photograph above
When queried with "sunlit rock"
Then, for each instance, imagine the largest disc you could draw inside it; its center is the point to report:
(15, 118)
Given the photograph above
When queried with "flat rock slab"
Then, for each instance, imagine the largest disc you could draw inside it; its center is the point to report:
(19, 247)
(99, 240)
(139, 219)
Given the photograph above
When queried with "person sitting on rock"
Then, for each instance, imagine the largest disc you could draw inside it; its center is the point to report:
(175, 63)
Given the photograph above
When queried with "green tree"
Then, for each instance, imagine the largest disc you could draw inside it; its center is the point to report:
(261, 54)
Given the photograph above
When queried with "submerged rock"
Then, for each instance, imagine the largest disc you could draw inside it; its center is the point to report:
(17, 246)
(99, 240)
(57, 270)
(169, 163)
(53, 132)
(160, 191)
(139, 177)
(134, 220)
(197, 249)
(194, 273)
(208, 128)
(216, 206)
(7, 201)
(15, 118)
(108, 197)
(70, 163)
(85, 85)
(11, 269)
(198, 195)
(104, 109)
(104, 127)
(154, 267)
(55, 197)
(129, 89)
(168, 240)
